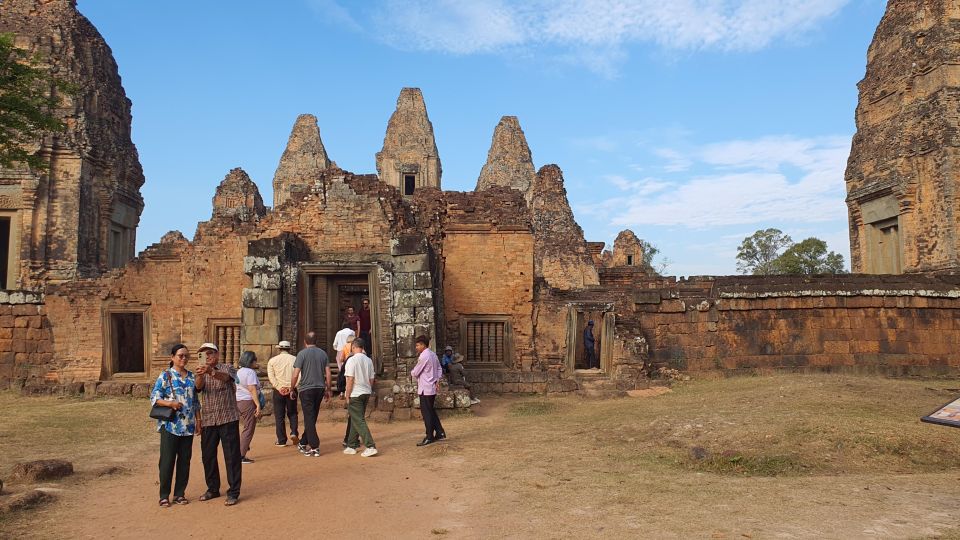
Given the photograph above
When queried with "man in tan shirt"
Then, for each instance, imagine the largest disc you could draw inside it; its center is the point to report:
(279, 371)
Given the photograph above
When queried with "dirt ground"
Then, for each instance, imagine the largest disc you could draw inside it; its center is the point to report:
(568, 468)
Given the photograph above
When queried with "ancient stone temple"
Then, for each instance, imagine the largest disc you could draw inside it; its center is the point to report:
(79, 216)
(902, 176)
(503, 273)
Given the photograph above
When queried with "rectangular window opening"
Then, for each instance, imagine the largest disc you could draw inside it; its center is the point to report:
(409, 184)
(629, 260)
(5, 242)
(128, 346)
(225, 334)
(486, 342)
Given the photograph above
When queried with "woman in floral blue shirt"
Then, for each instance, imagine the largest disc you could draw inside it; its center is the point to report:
(176, 388)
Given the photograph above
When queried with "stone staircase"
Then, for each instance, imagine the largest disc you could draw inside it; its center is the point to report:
(597, 385)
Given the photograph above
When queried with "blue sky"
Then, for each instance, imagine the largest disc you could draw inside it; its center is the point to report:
(693, 123)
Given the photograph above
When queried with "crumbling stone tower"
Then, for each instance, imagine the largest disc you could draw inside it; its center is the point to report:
(902, 176)
(509, 162)
(302, 161)
(409, 158)
(78, 217)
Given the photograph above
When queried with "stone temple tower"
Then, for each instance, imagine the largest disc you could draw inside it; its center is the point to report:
(78, 216)
(903, 175)
(302, 162)
(409, 158)
(509, 162)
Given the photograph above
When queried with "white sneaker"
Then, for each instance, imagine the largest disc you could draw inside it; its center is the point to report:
(349, 451)
(369, 452)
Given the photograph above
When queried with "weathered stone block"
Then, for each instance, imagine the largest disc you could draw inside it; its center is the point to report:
(266, 281)
(25, 501)
(422, 280)
(141, 390)
(646, 297)
(403, 281)
(411, 263)
(73, 389)
(423, 315)
(673, 306)
(445, 400)
(402, 414)
(90, 389)
(261, 298)
(113, 388)
(403, 401)
(40, 470)
(262, 335)
(261, 264)
(404, 315)
(408, 244)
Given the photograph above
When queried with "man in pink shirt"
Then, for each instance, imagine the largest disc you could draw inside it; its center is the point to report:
(428, 373)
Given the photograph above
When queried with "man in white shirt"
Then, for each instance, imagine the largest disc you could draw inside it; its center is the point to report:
(279, 371)
(360, 379)
(339, 341)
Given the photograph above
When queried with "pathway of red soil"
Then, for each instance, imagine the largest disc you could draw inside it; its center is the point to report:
(284, 494)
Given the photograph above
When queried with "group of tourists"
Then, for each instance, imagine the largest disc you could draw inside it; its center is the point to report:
(216, 399)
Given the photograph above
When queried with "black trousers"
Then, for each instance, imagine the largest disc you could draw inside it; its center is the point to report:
(175, 451)
(284, 407)
(590, 355)
(227, 435)
(310, 400)
(431, 422)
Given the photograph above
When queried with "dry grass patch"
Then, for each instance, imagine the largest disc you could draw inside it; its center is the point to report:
(712, 442)
(91, 433)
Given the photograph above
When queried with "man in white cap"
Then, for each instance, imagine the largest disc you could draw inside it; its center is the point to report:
(220, 421)
(279, 371)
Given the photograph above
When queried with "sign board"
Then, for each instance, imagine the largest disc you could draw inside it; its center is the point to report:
(948, 415)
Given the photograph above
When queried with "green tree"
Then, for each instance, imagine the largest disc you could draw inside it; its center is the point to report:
(758, 251)
(809, 257)
(28, 98)
(649, 253)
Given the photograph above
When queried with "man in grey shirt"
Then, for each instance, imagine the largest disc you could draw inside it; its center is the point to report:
(312, 370)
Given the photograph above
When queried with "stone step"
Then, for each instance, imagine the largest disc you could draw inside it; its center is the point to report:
(600, 393)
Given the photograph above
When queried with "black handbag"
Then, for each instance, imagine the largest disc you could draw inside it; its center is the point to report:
(162, 412)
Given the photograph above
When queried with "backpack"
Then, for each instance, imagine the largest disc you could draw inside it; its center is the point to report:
(342, 378)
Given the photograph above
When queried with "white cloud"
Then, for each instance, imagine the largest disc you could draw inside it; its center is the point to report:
(335, 13)
(593, 32)
(676, 161)
(745, 182)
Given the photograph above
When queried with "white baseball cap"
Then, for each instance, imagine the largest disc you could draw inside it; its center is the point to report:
(283, 345)
(208, 346)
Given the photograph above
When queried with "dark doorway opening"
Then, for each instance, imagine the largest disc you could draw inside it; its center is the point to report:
(409, 184)
(127, 332)
(583, 318)
(4, 251)
(330, 296)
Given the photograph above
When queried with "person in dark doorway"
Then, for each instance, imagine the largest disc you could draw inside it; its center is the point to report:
(279, 371)
(351, 320)
(311, 370)
(428, 373)
(365, 324)
(220, 421)
(590, 347)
